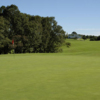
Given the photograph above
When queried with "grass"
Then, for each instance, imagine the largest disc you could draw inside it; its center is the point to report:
(71, 75)
(83, 48)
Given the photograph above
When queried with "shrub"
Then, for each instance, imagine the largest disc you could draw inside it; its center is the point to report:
(68, 44)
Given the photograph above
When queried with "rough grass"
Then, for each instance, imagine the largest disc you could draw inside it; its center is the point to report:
(71, 75)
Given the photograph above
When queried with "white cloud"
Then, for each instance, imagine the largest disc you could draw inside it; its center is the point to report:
(94, 33)
(92, 29)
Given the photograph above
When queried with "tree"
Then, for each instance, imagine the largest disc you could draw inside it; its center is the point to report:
(4, 40)
(52, 35)
(68, 44)
(30, 33)
(98, 38)
(74, 33)
(84, 37)
(2, 8)
(66, 36)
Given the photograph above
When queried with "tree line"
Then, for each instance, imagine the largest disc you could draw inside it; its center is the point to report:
(30, 33)
(91, 37)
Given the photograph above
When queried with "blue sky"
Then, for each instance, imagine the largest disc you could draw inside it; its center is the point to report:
(82, 16)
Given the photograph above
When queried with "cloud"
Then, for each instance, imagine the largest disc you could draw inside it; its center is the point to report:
(92, 33)
(92, 29)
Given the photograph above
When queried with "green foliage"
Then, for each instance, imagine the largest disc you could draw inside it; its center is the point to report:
(74, 32)
(66, 36)
(92, 39)
(84, 37)
(4, 40)
(68, 44)
(30, 33)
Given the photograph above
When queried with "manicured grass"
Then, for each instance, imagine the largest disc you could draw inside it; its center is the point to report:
(82, 47)
(71, 75)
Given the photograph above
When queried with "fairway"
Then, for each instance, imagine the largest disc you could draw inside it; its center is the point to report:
(71, 75)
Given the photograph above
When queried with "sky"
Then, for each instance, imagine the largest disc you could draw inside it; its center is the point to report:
(81, 16)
